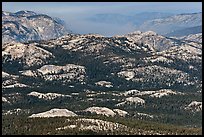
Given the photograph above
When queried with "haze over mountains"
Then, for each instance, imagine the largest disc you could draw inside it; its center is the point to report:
(162, 23)
(20, 26)
(136, 19)
(173, 23)
(99, 84)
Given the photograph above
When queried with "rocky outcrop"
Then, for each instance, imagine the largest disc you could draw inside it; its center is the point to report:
(132, 101)
(101, 111)
(47, 96)
(157, 93)
(104, 84)
(55, 113)
(4, 100)
(23, 26)
(120, 112)
(194, 106)
(67, 73)
(24, 56)
(95, 125)
(152, 40)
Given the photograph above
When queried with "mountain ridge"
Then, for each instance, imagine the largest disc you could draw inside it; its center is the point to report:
(23, 26)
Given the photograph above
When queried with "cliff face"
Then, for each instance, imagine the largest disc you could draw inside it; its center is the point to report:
(23, 26)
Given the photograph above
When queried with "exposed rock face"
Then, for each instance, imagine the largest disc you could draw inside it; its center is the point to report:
(95, 125)
(152, 40)
(121, 113)
(47, 96)
(99, 124)
(128, 75)
(104, 84)
(101, 111)
(67, 73)
(11, 81)
(154, 94)
(194, 106)
(132, 101)
(97, 44)
(25, 56)
(163, 92)
(13, 111)
(29, 73)
(16, 85)
(158, 93)
(145, 115)
(152, 73)
(106, 111)
(4, 100)
(135, 100)
(8, 76)
(23, 26)
(104, 127)
(55, 113)
(168, 63)
(131, 92)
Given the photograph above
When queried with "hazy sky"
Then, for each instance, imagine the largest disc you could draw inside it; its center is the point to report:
(75, 13)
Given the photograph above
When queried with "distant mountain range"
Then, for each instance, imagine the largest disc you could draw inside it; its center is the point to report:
(136, 19)
(163, 23)
(173, 23)
(186, 31)
(23, 26)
